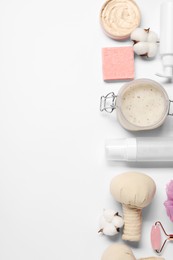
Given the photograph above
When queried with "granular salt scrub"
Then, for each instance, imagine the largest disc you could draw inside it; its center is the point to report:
(141, 104)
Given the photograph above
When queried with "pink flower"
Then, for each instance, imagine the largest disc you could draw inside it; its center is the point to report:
(169, 190)
(169, 209)
(169, 202)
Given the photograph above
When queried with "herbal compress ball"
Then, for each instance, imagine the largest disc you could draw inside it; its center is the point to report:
(118, 252)
(122, 252)
(135, 191)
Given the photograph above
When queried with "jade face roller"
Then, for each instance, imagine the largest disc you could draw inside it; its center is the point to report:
(156, 239)
(141, 104)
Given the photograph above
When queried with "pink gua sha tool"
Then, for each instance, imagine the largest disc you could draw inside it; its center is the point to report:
(156, 238)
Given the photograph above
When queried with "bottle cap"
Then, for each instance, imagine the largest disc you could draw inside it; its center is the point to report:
(121, 149)
(167, 61)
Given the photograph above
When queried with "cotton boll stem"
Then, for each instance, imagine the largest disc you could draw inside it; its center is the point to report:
(132, 223)
(147, 30)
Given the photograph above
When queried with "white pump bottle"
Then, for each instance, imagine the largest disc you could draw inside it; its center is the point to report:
(166, 38)
(140, 149)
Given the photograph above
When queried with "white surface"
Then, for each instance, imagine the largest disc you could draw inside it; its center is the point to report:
(54, 179)
(166, 38)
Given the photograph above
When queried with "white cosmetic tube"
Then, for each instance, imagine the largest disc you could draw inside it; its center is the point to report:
(166, 38)
(140, 149)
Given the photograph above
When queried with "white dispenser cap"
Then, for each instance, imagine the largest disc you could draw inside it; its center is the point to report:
(121, 149)
(167, 61)
(166, 39)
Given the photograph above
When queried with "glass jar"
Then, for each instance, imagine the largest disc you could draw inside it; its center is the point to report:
(141, 104)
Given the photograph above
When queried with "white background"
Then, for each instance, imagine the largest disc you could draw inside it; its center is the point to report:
(54, 178)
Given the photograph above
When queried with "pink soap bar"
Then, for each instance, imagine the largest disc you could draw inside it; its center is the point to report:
(118, 63)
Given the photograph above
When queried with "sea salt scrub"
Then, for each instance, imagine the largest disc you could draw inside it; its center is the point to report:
(143, 105)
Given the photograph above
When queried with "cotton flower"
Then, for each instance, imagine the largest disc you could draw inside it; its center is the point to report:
(141, 48)
(139, 35)
(152, 37)
(145, 42)
(152, 50)
(169, 202)
(110, 222)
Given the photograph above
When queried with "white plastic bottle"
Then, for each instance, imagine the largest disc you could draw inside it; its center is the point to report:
(166, 38)
(140, 149)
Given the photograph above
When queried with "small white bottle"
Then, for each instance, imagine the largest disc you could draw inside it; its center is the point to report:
(166, 39)
(140, 149)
